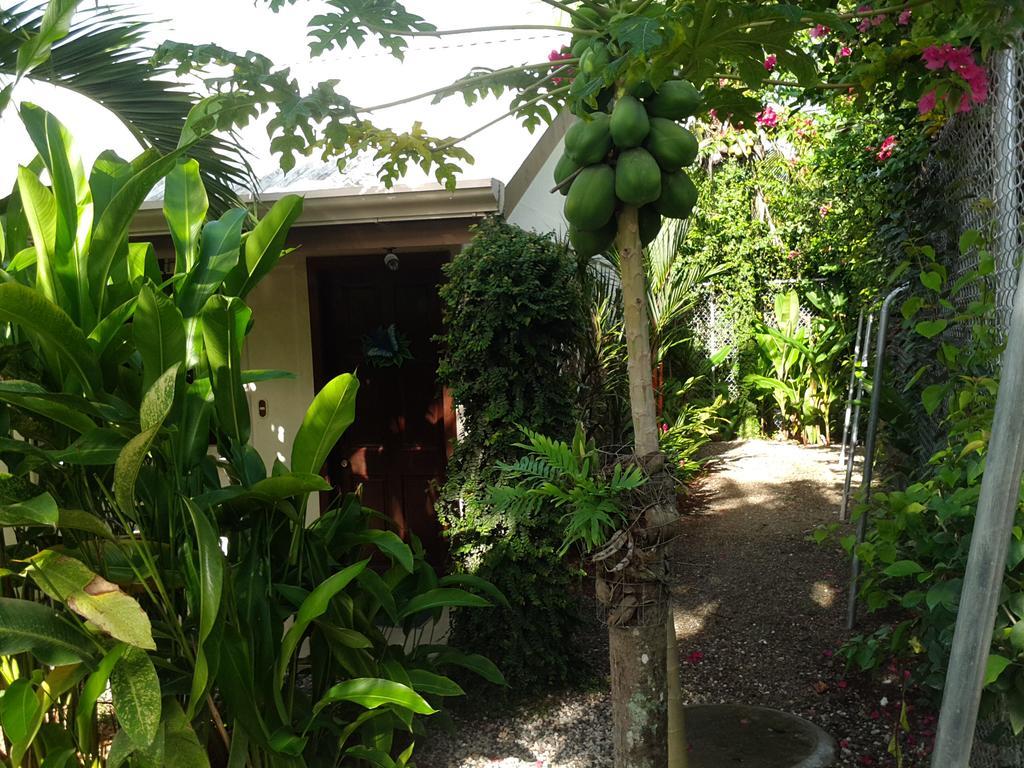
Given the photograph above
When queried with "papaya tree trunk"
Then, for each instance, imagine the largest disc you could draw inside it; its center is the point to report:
(638, 639)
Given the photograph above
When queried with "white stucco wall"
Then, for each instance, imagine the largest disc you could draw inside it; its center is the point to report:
(540, 210)
(280, 339)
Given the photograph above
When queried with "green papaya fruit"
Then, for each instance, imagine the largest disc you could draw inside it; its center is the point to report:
(675, 99)
(678, 195)
(591, 242)
(565, 168)
(673, 146)
(595, 59)
(589, 141)
(588, 18)
(629, 123)
(641, 90)
(591, 200)
(650, 224)
(637, 177)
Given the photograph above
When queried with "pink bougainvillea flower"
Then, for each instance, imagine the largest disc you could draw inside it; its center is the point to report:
(874, 714)
(904, 17)
(926, 103)
(865, 760)
(819, 31)
(935, 57)
(770, 61)
(864, 26)
(713, 114)
(768, 118)
(877, 20)
(845, 51)
(664, 428)
(885, 151)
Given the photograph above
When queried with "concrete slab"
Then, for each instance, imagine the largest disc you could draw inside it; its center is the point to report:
(725, 735)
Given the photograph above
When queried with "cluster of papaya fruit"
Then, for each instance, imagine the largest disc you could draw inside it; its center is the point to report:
(632, 155)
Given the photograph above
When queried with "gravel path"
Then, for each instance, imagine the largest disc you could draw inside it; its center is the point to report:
(759, 612)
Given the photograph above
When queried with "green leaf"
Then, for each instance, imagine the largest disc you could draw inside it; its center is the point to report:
(155, 406)
(428, 682)
(474, 581)
(39, 511)
(281, 487)
(19, 715)
(185, 207)
(370, 692)
(73, 212)
(440, 598)
(32, 397)
(370, 756)
(91, 691)
(994, 667)
(92, 597)
(159, 334)
(264, 246)
(181, 746)
(903, 568)
(332, 412)
(29, 310)
(474, 662)
(931, 280)
(95, 448)
(387, 542)
(641, 33)
(931, 328)
(135, 688)
(55, 24)
(312, 608)
(932, 397)
(41, 214)
(211, 584)
(1017, 636)
(29, 627)
(224, 322)
(80, 520)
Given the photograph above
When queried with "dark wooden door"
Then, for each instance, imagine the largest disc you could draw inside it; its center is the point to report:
(396, 449)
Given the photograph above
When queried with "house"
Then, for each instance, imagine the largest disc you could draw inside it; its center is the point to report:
(359, 293)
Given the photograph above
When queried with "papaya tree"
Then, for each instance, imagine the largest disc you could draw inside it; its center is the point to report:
(630, 71)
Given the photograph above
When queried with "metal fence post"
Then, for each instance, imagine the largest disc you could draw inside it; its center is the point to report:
(849, 391)
(1000, 487)
(863, 365)
(869, 445)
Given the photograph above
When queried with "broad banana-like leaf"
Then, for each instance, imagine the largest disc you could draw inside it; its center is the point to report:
(159, 333)
(95, 686)
(181, 745)
(211, 583)
(55, 25)
(264, 246)
(135, 690)
(46, 321)
(21, 714)
(39, 511)
(73, 211)
(375, 692)
(30, 627)
(224, 322)
(156, 405)
(41, 214)
(142, 265)
(185, 207)
(332, 412)
(32, 397)
(92, 597)
(109, 173)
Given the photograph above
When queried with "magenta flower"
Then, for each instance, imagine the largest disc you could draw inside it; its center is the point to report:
(845, 51)
(864, 26)
(885, 151)
(877, 20)
(904, 17)
(926, 103)
(696, 657)
(770, 61)
(819, 31)
(768, 117)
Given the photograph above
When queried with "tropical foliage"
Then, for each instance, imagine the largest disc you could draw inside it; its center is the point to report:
(147, 546)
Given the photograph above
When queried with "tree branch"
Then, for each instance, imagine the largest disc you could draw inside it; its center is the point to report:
(789, 83)
(473, 30)
(466, 81)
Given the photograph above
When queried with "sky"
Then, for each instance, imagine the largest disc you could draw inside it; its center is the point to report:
(368, 75)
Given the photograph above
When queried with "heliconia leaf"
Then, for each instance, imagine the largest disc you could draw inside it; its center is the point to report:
(181, 745)
(73, 212)
(332, 412)
(39, 511)
(135, 690)
(31, 627)
(155, 406)
(312, 608)
(371, 692)
(264, 246)
(159, 334)
(32, 397)
(224, 322)
(94, 687)
(20, 717)
(370, 756)
(429, 682)
(92, 597)
(42, 318)
(211, 583)
(143, 265)
(440, 598)
(387, 542)
(185, 207)
(80, 520)
(41, 214)
(474, 581)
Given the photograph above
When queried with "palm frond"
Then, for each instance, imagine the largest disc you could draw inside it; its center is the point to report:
(104, 58)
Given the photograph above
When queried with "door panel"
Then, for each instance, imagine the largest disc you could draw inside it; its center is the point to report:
(396, 449)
